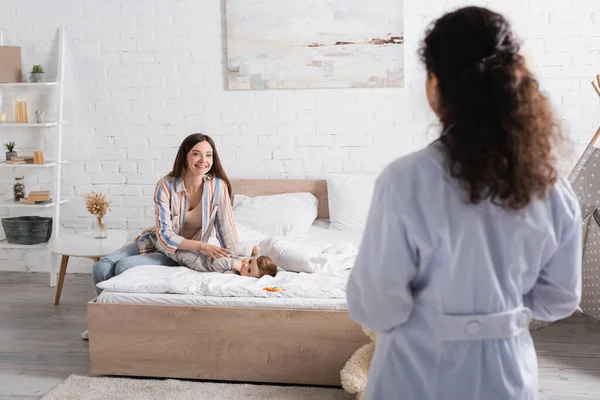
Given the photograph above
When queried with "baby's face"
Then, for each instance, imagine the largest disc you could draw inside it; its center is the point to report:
(250, 267)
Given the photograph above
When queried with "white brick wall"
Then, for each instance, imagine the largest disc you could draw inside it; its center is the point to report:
(143, 74)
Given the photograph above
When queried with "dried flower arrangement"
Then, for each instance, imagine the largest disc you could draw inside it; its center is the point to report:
(97, 205)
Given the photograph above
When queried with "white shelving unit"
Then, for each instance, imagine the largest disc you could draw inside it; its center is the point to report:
(56, 164)
(47, 164)
(39, 85)
(28, 125)
(9, 203)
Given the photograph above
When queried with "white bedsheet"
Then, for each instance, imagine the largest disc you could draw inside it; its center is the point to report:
(182, 280)
(331, 253)
(107, 297)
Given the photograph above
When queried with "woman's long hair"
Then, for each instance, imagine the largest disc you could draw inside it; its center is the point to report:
(179, 166)
(498, 129)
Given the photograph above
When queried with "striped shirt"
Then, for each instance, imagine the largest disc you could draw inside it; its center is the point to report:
(170, 205)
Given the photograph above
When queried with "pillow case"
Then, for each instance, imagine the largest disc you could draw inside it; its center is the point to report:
(304, 253)
(276, 215)
(349, 200)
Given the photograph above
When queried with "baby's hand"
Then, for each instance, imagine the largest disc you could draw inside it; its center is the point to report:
(237, 265)
(255, 250)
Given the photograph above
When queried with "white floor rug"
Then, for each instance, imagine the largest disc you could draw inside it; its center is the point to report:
(77, 387)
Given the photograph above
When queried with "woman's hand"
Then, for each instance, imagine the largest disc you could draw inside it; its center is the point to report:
(213, 251)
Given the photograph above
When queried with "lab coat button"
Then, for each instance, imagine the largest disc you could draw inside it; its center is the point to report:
(473, 327)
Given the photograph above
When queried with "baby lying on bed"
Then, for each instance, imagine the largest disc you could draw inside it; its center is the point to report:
(255, 266)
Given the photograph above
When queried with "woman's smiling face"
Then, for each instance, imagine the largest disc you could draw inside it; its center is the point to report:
(200, 159)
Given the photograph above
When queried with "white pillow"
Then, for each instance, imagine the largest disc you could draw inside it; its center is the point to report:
(277, 215)
(308, 254)
(349, 200)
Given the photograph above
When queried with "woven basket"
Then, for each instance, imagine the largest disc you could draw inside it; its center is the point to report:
(27, 230)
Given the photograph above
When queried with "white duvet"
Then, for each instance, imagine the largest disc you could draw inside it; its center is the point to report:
(181, 280)
(316, 265)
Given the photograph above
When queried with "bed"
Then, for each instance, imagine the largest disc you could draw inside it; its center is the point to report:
(144, 335)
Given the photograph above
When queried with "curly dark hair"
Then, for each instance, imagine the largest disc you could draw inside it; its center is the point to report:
(498, 128)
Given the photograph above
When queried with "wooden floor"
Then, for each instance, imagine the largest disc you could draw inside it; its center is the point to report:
(40, 343)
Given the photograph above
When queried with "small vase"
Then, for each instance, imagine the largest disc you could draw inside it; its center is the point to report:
(10, 154)
(100, 231)
(36, 77)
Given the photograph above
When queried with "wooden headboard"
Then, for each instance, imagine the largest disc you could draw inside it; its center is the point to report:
(266, 187)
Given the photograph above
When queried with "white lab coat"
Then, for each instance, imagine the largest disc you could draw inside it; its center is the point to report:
(450, 287)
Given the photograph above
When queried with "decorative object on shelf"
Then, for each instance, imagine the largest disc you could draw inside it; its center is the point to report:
(10, 67)
(38, 157)
(20, 160)
(97, 205)
(37, 74)
(31, 202)
(21, 111)
(37, 197)
(10, 147)
(27, 230)
(19, 188)
(2, 118)
(39, 117)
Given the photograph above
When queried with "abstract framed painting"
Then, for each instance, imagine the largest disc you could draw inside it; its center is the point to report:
(291, 44)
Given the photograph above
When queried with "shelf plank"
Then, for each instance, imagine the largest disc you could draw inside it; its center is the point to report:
(48, 164)
(27, 125)
(5, 245)
(28, 84)
(15, 204)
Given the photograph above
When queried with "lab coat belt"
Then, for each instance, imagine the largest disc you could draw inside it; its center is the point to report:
(502, 325)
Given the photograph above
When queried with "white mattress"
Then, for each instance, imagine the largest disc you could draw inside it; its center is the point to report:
(213, 301)
(181, 286)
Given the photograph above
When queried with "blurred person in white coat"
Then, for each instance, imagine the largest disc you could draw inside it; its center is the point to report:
(470, 238)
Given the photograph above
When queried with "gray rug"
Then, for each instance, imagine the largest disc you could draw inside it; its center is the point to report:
(77, 387)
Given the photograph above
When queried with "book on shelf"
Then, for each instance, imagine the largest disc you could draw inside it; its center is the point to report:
(36, 158)
(36, 197)
(21, 160)
(41, 195)
(26, 200)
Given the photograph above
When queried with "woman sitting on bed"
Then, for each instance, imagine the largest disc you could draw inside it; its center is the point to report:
(190, 201)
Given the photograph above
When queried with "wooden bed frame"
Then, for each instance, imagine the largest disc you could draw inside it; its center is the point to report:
(226, 343)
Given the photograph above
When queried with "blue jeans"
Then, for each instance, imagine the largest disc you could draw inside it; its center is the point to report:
(126, 257)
